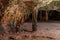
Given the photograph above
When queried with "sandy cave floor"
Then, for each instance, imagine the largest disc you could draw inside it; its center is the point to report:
(45, 31)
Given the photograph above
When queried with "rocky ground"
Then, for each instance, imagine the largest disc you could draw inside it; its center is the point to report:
(45, 31)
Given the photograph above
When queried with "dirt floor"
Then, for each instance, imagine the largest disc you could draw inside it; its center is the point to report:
(45, 31)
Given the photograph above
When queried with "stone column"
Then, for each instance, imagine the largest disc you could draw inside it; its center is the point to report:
(46, 16)
(34, 20)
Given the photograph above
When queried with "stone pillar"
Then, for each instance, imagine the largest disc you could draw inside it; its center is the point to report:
(33, 8)
(34, 20)
(46, 16)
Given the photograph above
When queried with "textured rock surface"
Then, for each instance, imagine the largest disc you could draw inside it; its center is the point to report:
(54, 5)
(46, 31)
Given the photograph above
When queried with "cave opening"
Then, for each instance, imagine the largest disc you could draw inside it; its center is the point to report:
(53, 15)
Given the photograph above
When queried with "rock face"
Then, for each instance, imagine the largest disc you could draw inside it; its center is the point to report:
(16, 13)
(54, 5)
